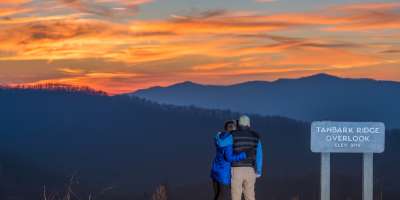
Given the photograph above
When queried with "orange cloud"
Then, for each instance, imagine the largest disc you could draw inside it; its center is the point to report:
(9, 11)
(212, 22)
(7, 22)
(367, 16)
(334, 58)
(71, 70)
(369, 6)
(212, 66)
(297, 57)
(58, 39)
(14, 1)
(145, 41)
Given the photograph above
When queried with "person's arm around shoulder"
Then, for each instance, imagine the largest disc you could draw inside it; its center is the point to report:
(259, 159)
(230, 156)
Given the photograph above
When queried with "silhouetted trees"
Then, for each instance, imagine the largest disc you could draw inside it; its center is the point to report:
(54, 87)
(131, 145)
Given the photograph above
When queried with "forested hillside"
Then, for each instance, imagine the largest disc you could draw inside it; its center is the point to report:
(127, 146)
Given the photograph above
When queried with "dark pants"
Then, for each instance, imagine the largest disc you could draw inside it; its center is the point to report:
(221, 191)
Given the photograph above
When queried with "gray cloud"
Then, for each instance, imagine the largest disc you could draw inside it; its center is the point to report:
(101, 9)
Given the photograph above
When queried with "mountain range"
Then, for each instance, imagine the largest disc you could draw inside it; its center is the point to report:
(317, 97)
(121, 148)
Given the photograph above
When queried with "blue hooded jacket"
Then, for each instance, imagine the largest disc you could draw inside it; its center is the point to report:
(221, 166)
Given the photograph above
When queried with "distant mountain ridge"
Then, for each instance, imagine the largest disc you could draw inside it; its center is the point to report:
(317, 97)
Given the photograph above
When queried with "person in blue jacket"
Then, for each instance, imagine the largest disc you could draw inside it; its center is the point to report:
(221, 166)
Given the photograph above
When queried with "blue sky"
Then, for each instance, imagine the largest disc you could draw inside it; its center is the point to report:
(165, 8)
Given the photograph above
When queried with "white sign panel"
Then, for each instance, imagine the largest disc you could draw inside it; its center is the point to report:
(347, 137)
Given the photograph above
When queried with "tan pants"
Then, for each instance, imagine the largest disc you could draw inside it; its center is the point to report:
(243, 181)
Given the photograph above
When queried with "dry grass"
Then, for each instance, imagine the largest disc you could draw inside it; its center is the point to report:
(69, 194)
(161, 193)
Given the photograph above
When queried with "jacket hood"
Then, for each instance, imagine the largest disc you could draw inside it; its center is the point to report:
(223, 139)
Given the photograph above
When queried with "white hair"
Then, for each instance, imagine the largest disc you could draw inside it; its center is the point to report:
(244, 121)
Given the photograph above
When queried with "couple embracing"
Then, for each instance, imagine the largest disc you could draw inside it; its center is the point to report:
(238, 161)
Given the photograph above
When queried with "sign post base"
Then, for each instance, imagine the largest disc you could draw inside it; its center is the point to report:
(368, 174)
(325, 176)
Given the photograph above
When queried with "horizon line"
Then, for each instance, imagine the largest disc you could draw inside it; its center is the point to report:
(32, 85)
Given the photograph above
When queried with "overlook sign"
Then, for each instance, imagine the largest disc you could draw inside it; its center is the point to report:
(347, 137)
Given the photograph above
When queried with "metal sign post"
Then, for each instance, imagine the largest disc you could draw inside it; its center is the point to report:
(347, 137)
(325, 176)
(368, 176)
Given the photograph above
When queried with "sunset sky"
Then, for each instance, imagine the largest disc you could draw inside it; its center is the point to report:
(123, 45)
